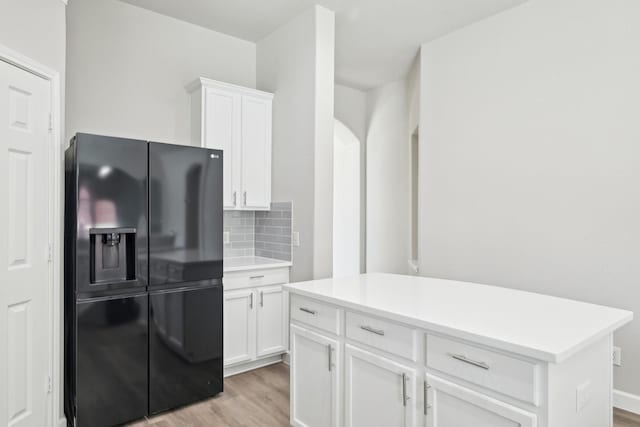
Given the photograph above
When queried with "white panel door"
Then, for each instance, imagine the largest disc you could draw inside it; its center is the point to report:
(239, 326)
(271, 326)
(24, 294)
(378, 392)
(450, 405)
(315, 378)
(222, 132)
(256, 153)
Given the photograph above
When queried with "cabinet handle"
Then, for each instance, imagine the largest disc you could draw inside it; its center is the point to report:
(251, 300)
(235, 198)
(405, 398)
(256, 277)
(425, 397)
(465, 359)
(329, 350)
(306, 310)
(261, 299)
(372, 330)
(244, 195)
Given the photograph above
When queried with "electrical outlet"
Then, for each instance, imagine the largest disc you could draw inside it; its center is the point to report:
(617, 356)
(225, 237)
(295, 237)
(583, 395)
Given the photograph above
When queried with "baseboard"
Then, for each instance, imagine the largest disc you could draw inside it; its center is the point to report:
(626, 401)
(250, 366)
(286, 358)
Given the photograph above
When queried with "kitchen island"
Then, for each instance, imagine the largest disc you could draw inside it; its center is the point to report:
(391, 350)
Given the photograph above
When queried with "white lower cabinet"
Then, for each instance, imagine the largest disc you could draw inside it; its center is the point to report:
(255, 326)
(378, 391)
(451, 405)
(315, 379)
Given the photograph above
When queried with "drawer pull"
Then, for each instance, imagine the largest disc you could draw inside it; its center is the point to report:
(329, 350)
(306, 310)
(425, 397)
(372, 330)
(463, 358)
(256, 277)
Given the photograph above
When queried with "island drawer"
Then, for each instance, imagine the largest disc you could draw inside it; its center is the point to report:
(315, 313)
(495, 371)
(254, 278)
(382, 334)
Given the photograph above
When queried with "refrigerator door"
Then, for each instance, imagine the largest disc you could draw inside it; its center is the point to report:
(112, 378)
(108, 186)
(185, 346)
(185, 215)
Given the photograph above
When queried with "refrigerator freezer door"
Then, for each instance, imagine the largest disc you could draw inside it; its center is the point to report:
(109, 203)
(185, 347)
(112, 354)
(185, 214)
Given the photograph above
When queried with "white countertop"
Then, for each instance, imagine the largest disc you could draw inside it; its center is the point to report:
(538, 326)
(247, 263)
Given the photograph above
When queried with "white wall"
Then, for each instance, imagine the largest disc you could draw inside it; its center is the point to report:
(388, 176)
(530, 125)
(350, 107)
(127, 68)
(286, 65)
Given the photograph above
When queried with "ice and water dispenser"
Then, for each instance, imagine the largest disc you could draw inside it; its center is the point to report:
(113, 255)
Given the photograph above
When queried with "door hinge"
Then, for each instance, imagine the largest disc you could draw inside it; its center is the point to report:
(49, 385)
(50, 122)
(49, 253)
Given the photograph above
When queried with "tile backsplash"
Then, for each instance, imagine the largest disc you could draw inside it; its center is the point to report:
(259, 233)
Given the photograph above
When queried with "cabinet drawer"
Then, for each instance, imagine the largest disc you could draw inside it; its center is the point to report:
(495, 371)
(387, 336)
(255, 278)
(315, 313)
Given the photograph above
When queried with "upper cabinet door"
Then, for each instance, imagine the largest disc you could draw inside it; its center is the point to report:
(222, 131)
(256, 153)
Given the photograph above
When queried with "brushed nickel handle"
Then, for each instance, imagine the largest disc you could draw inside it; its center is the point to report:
(261, 299)
(245, 199)
(306, 310)
(465, 359)
(251, 300)
(426, 397)
(405, 398)
(372, 330)
(235, 198)
(329, 349)
(256, 277)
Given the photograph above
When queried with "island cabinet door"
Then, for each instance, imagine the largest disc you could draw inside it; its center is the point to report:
(378, 391)
(239, 326)
(451, 405)
(315, 379)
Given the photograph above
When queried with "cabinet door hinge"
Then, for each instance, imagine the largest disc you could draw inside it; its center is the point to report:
(50, 122)
(49, 253)
(49, 385)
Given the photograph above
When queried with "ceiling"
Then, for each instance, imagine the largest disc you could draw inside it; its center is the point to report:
(376, 40)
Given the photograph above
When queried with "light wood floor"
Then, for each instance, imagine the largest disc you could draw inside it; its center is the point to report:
(260, 398)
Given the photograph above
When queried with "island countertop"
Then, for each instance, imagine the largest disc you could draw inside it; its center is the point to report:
(539, 326)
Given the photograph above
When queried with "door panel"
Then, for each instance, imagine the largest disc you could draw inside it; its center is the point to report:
(239, 326)
(111, 361)
(24, 274)
(185, 214)
(185, 356)
(454, 406)
(315, 379)
(375, 393)
(222, 132)
(256, 153)
(271, 321)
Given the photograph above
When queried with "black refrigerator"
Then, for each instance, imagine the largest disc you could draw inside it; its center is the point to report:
(143, 278)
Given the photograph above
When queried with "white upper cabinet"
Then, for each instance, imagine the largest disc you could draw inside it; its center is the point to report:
(238, 121)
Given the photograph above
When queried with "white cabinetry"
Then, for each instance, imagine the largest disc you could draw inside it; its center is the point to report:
(255, 319)
(237, 120)
(378, 391)
(451, 405)
(315, 379)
